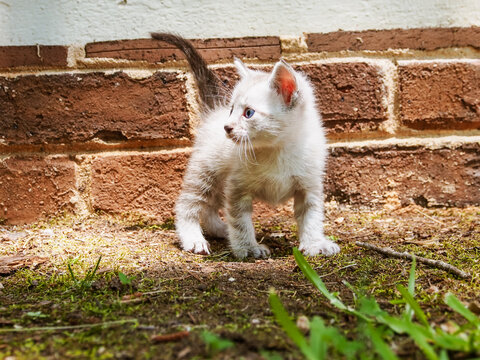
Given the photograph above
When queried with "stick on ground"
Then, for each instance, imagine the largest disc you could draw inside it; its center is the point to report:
(70, 327)
(433, 263)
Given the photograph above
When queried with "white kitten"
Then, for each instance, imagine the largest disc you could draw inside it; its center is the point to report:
(267, 143)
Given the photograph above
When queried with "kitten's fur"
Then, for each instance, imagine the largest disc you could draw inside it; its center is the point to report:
(276, 154)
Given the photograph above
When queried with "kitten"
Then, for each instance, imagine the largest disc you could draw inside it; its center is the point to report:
(264, 142)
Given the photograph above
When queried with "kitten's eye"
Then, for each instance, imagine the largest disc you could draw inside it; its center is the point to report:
(248, 113)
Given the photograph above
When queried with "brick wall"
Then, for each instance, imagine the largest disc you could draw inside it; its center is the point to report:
(108, 126)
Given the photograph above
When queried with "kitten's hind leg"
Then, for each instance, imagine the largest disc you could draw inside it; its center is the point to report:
(187, 223)
(213, 224)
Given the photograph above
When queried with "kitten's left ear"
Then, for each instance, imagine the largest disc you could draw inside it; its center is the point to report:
(283, 81)
(241, 68)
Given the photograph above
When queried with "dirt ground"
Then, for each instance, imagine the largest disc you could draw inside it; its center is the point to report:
(50, 307)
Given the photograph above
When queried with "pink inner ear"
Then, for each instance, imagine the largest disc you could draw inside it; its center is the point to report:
(286, 85)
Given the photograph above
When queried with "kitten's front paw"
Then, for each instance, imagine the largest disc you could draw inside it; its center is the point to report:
(199, 247)
(325, 247)
(258, 251)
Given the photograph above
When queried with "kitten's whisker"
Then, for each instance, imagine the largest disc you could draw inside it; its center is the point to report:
(239, 148)
(251, 149)
(244, 148)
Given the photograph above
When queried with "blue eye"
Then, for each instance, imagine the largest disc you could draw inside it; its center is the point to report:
(248, 113)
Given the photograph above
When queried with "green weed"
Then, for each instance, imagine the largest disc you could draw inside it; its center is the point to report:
(87, 281)
(124, 279)
(378, 326)
(214, 343)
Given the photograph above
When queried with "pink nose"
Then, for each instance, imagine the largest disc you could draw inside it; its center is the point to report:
(228, 129)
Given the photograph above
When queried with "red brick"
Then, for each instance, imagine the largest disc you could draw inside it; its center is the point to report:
(377, 40)
(153, 51)
(33, 56)
(429, 177)
(142, 183)
(350, 96)
(32, 188)
(440, 95)
(80, 107)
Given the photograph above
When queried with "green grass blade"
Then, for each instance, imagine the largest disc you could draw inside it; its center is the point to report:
(323, 337)
(352, 289)
(453, 342)
(414, 306)
(452, 301)
(313, 277)
(411, 278)
(71, 273)
(411, 288)
(381, 347)
(317, 334)
(289, 326)
(444, 355)
(95, 269)
(418, 335)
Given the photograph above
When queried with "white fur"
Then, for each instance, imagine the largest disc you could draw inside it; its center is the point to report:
(277, 154)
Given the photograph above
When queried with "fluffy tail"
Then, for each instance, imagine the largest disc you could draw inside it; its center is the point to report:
(209, 85)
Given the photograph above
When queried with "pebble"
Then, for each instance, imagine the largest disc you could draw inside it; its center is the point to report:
(47, 232)
(303, 324)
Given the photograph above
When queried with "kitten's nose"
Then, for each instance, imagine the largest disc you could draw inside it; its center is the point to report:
(228, 129)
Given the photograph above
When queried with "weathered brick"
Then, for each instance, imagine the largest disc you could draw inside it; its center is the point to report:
(33, 56)
(440, 95)
(442, 176)
(154, 51)
(34, 187)
(378, 40)
(141, 183)
(350, 95)
(80, 107)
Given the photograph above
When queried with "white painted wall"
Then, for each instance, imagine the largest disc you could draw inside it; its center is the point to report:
(27, 22)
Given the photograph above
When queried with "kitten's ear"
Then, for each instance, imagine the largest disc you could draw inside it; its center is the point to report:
(283, 81)
(241, 68)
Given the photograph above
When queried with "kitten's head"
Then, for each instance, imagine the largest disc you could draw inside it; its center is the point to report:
(263, 104)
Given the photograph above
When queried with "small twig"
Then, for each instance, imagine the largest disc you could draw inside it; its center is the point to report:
(429, 217)
(433, 263)
(70, 327)
(337, 270)
(170, 337)
(150, 293)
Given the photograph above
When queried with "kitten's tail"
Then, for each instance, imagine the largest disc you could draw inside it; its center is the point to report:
(209, 85)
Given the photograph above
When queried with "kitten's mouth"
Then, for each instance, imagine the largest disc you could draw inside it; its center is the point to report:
(233, 137)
